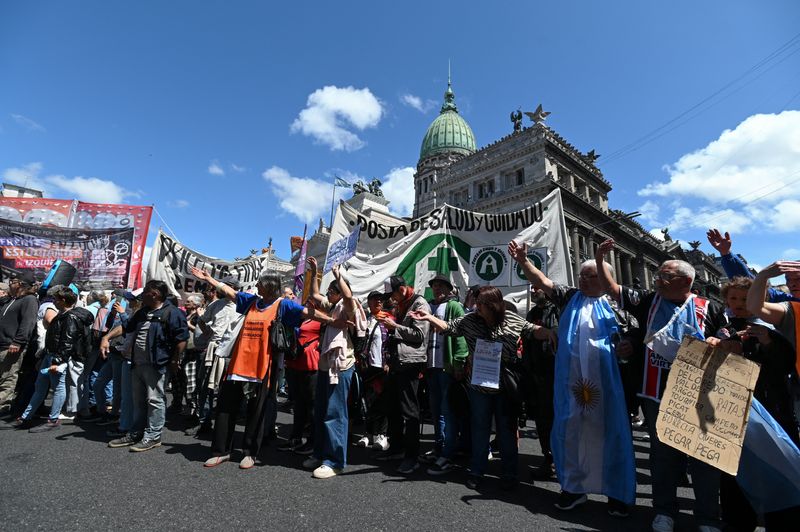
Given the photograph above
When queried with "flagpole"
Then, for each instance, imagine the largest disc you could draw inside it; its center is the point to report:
(333, 198)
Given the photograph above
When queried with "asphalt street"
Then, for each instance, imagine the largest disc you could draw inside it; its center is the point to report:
(70, 480)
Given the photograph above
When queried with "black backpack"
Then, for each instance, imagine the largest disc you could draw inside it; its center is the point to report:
(281, 337)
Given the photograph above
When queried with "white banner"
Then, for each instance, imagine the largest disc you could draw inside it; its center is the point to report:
(469, 247)
(170, 261)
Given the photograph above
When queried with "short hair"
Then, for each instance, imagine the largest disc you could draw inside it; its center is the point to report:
(492, 298)
(158, 286)
(95, 296)
(66, 294)
(270, 282)
(593, 264)
(682, 267)
(737, 283)
(334, 285)
(196, 299)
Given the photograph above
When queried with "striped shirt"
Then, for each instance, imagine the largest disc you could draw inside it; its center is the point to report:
(472, 327)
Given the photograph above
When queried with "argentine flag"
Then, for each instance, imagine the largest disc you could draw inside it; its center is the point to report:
(769, 468)
(591, 438)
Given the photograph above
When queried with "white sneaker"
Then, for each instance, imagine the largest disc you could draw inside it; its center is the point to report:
(363, 442)
(663, 523)
(65, 417)
(708, 528)
(324, 471)
(380, 442)
(311, 463)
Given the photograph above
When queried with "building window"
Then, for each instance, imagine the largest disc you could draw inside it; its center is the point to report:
(426, 184)
(520, 177)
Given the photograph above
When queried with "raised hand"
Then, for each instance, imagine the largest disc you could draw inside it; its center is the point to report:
(311, 264)
(518, 252)
(721, 243)
(779, 268)
(604, 248)
(200, 274)
(335, 271)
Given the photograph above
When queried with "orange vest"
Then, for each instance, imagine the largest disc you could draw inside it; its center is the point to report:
(251, 356)
(796, 309)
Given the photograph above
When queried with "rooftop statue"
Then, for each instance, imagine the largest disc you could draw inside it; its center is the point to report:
(538, 116)
(516, 118)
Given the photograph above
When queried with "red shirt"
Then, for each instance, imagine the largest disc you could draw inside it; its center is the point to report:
(308, 343)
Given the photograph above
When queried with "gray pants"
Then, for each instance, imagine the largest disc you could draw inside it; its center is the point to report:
(667, 466)
(149, 400)
(75, 383)
(9, 369)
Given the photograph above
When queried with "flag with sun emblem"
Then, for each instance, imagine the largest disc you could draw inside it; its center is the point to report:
(591, 438)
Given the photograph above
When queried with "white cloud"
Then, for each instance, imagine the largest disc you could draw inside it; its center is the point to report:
(332, 111)
(746, 180)
(178, 204)
(26, 176)
(790, 254)
(215, 169)
(415, 102)
(91, 189)
(28, 123)
(301, 196)
(236, 168)
(398, 187)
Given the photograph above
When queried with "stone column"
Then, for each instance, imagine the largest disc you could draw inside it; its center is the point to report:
(617, 266)
(576, 254)
(628, 273)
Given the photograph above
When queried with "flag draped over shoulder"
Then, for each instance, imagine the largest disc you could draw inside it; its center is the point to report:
(591, 438)
(769, 469)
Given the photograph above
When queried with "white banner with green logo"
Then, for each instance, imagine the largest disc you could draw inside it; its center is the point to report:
(469, 247)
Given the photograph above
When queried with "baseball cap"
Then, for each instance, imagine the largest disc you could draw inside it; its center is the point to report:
(375, 294)
(393, 283)
(25, 277)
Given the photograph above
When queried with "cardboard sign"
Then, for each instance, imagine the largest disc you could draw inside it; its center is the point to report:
(341, 250)
(706, 403)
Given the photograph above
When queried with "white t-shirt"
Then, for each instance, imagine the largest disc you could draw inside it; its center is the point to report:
(40, 330)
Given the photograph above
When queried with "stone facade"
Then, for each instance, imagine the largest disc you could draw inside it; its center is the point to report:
(522, 168)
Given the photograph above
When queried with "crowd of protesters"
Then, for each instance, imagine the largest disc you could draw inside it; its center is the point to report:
(586, 364)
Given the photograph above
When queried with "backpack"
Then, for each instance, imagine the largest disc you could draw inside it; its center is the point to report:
(281, 337)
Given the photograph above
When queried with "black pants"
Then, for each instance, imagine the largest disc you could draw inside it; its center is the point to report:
(302, 385)
(402, 387)
(231, 394)
(374, 382)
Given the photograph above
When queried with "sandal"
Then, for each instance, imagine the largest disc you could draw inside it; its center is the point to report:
(214, 461)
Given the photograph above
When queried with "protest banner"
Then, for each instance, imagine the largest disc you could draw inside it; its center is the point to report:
(82, 215)
(469, 247)
(170, 261)
(102, 257)
(706, 403)
(341, 250)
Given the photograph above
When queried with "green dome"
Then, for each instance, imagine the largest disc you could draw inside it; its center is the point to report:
(448, 133)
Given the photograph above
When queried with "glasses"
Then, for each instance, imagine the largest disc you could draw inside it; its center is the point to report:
(667, 276)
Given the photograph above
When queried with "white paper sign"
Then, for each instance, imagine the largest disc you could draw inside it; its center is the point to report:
(486, 364)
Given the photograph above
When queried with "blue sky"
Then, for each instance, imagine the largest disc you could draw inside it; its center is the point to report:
(231, 117)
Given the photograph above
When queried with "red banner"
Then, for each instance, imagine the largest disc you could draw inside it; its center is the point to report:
(79, 214)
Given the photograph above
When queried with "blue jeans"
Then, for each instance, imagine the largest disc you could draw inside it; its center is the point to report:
(667, 466)
(149, 401)
(85, 395)
(330, 418)
(109, 377)
(125, 397)
(57, 381)
(445, 424)
(482, 407)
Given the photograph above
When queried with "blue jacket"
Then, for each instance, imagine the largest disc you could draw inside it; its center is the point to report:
(167, 330)
(735, 267)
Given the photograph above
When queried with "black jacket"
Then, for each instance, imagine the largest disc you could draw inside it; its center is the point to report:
(18, 321)
(69, 336)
